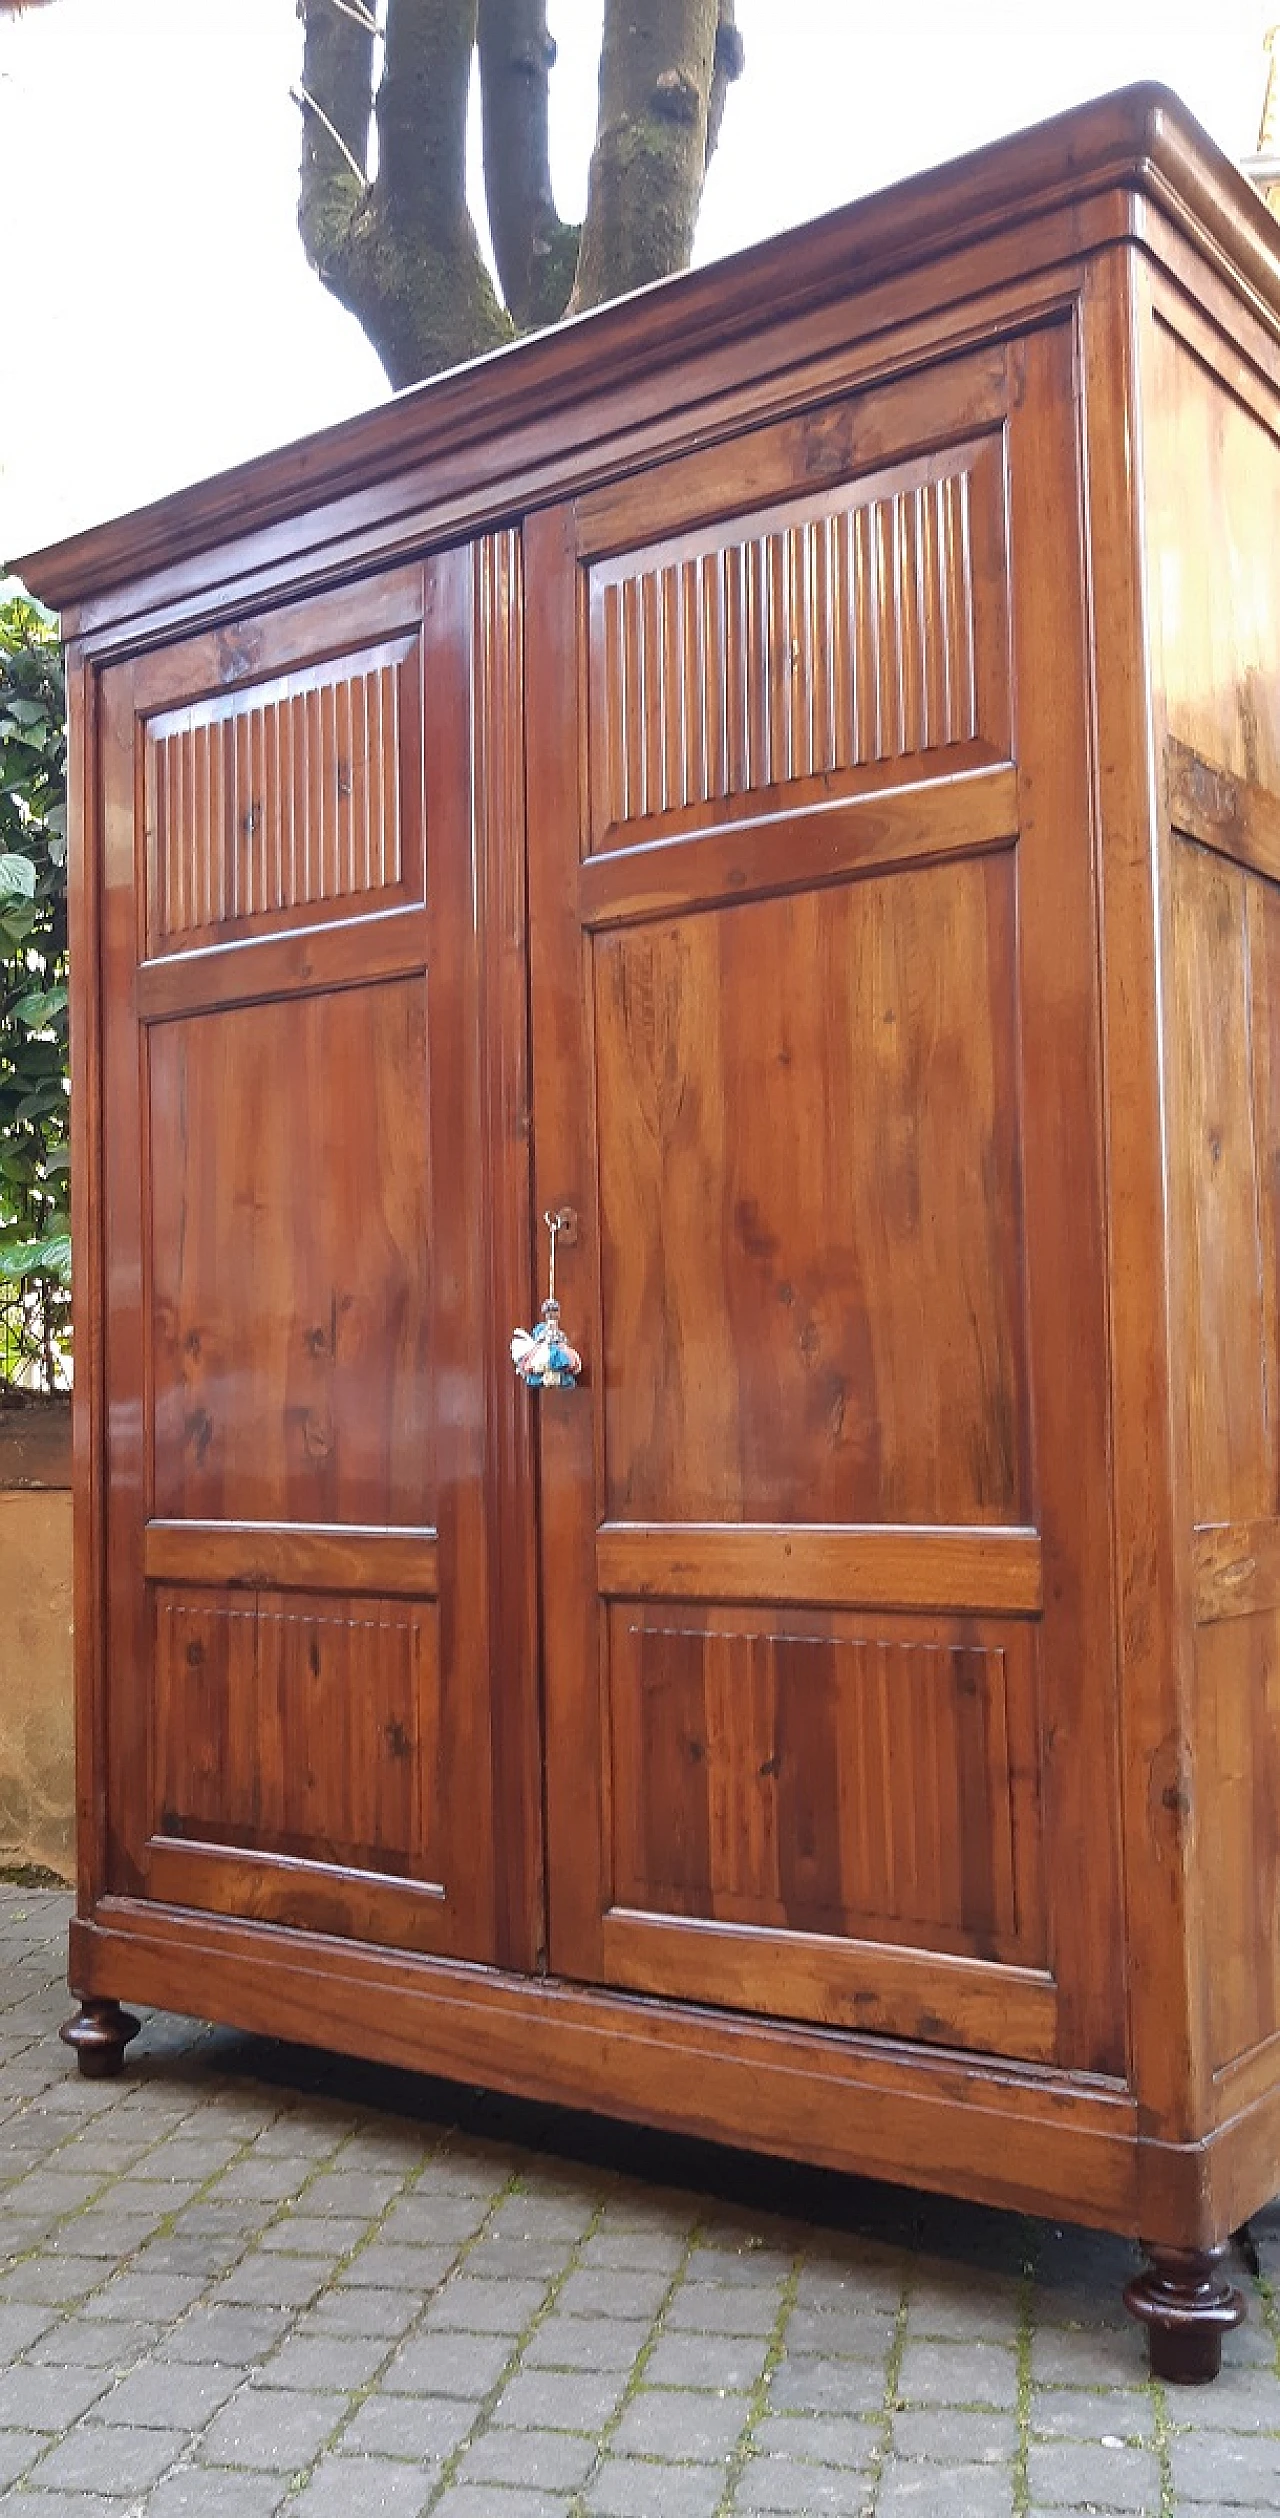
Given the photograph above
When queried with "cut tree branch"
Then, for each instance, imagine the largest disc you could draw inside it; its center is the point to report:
(659, 61)
(536, 252)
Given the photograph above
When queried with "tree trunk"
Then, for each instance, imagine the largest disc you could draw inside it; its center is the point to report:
(401, 252)
(407, 263)
(664, 65)
(536, 252)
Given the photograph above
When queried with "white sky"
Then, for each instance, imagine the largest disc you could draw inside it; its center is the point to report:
(160, 320)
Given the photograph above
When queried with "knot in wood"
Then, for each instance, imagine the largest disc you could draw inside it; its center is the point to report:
(677, 95)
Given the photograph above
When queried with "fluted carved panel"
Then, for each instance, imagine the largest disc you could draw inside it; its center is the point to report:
(280, 799)
(302, 1726)
(832, 1783)
(802, 642)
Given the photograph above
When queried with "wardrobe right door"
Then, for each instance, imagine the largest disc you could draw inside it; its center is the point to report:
(826, 1579)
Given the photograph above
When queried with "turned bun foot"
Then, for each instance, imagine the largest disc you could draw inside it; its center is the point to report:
(98, 2036)
(1187, 2305)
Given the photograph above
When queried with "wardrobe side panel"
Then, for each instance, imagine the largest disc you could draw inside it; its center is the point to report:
(1214, 523)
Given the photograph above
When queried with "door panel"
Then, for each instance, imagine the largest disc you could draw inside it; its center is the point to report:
(826, 1592)
(301, 1470)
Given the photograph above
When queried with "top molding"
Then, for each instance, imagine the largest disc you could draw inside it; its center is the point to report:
(1141, 140)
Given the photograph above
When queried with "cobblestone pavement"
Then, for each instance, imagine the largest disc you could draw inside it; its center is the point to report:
(244, 2279)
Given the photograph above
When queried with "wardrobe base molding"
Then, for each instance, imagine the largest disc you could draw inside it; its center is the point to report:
(1018, 2137)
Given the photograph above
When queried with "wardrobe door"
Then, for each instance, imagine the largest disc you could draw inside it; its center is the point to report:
(826, 1575)
(301, 1596)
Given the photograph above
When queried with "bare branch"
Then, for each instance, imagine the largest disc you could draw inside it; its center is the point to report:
(536, 252)
(337, 84)
(308, 104)
(356, 10)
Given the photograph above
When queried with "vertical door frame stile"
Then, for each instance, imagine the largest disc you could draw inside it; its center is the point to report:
(1057, 1003)
(495, 576)
(124, 1168)
(88, 1283)
(1168, 2025)
(568, 1437)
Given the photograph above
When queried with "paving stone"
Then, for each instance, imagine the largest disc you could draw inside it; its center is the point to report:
(299, 2235)
(222, 2331)
(930, 2491)
(154, 2298)
(95, 2459)
(36, 2399)
(874, 2287)
(1071, 2413)
(271, 2282)
(386, 2268)
(963, 2307)
(633, 2251)
(626, 2487)
(444, 2364)
(489, 2500)
(204, 2492)
(362, 2487)
(21, 2322)
(810, 2386)
(1225, 2469)
(310, 2363)
(609, 2293)
(421, 2427)
(560, 2400)
(769, 2483)
(1062, 2358)
(950, 2437)
(840, 2334)
(706, 2360)
(359, 2311)
(825, 2439)
(1068, 2471)
(957, 2373)
(548, 2461)
(19, 2449)
(167, 2395)
(584, 2343)
(672, 2423)
(43, 2504)
(1240, 2400)
(264, 2426)
(485, 2307)
(716, 2308)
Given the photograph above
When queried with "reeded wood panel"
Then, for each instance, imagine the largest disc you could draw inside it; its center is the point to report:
(289, 1253)
(281, 799)
(1225, 1040)
(810, 1202)
(808, 642)
(300, 1726)
(825, 1777)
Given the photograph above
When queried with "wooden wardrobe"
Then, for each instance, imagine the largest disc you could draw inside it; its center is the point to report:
(783, 777)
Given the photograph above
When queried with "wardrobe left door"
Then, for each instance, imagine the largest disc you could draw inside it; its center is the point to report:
(297, 1718)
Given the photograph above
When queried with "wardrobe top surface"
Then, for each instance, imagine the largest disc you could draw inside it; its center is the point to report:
(577, 378)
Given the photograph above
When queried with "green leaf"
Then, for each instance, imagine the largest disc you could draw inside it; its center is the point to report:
(39, 1008)
(17, 879)
(43, 1258)
(29, 712)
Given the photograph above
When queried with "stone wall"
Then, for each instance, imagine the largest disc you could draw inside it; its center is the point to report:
(37, 1760)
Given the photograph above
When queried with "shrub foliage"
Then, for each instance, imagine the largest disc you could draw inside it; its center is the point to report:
(35, 1248)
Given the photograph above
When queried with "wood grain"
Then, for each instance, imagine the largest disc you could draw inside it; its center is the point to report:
(886, 827)
(281, 1555)
(984, 1570)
